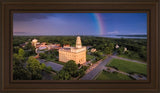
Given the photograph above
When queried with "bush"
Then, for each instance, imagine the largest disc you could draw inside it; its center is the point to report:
(42, 55)
(84, 68)
(64, 75)
(79, 65)
(81, 73)
(48, 69)
(43, 66)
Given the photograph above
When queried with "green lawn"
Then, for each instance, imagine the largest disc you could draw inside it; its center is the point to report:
(112, 76)
(129, 67)
(125, 56)
(89, 57)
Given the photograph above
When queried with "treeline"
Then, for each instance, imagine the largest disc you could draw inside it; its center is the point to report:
(26, 68)
(136, 47)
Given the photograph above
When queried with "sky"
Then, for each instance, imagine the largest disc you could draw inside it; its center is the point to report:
(30, 24)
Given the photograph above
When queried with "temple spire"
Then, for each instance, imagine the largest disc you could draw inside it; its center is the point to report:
(78, 42)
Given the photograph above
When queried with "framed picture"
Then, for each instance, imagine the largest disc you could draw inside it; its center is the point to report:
(80, 46)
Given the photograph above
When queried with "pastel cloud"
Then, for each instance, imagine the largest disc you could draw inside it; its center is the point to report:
(113, 32)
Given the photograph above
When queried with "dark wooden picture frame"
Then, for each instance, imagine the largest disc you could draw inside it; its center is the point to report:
(8, 7)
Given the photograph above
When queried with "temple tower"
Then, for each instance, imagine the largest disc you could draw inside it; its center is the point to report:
(78, 42)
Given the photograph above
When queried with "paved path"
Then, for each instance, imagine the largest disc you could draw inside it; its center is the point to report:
(96, 70)
(128, 59)
(55, 66)
(93, 66)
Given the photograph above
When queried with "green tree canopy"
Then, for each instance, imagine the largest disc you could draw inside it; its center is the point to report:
(34, 67)
(71, 67)
(19, 71)
(21, 52)
(43, 55)
(64, 75)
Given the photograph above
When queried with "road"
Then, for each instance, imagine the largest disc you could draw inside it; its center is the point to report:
(96, 70)
(55, 66)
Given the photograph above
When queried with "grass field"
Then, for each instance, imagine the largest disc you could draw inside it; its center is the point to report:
(112, 76)
(138, 59)
(89, 57)
(129, 67)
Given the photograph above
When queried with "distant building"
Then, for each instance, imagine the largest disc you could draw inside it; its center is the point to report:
(26, 43)
(125, 49)
(117, 46)
(53, 46)
(42, 47)
(66, 46)
(78, 53)
(93, 50)
(34, 42)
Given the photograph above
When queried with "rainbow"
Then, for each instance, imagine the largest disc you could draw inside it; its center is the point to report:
(99, 23)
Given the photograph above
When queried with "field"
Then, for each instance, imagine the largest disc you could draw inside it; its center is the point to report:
(133, 58)
(112, 76)
(129, 67)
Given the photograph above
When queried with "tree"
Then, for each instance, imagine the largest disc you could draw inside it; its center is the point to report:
(84, 68)
(43, 55)
(120, 50)
(28, 46)
(64, 75)
(19, 72)
(71, 67)
(143, 53)
(15, 49)
(43, 66)
(48, 69)
(81, 72)
(21, 53)
(107, 50)
(34, 67)
(79, 65)
(111, 47)
(98, 54)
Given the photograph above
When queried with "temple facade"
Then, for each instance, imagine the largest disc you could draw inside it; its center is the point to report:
(78, 53)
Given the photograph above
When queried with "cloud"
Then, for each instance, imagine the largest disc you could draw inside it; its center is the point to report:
(113, 32)
(139, 33)
(19, 32)
(23, 33)
(30, 16)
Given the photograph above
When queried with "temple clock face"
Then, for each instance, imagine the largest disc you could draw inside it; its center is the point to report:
(108, 46)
